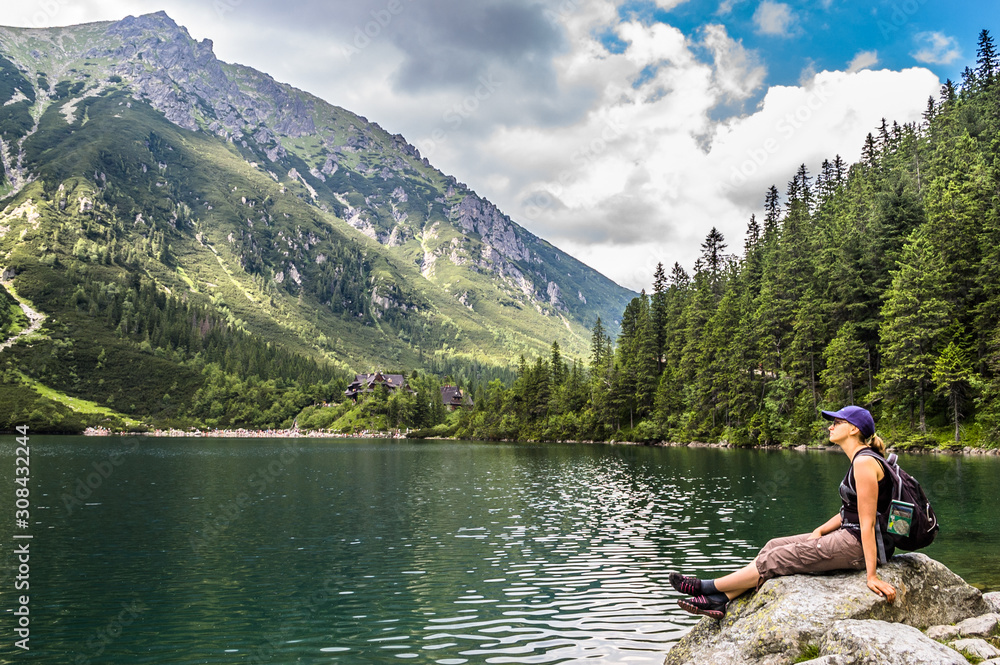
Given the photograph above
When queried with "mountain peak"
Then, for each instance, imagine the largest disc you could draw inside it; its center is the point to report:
(273, 195)
(158, 28)
(151, 21)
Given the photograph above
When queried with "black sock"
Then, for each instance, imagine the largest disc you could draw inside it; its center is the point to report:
(708, 587)
(717, 597)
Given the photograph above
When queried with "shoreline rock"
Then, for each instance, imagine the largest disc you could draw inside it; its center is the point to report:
(796, 615)
(397, 434)
(240, 433)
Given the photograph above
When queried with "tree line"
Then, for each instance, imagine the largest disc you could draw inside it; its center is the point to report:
(874, 283)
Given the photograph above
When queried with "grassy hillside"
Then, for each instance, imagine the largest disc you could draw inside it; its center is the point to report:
(189, 278)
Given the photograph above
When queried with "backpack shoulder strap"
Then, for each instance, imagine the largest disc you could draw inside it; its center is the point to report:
(889, 465)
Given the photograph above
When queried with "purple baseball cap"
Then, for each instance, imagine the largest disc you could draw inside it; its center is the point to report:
(857, 416)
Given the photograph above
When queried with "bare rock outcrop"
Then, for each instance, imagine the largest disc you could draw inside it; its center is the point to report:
(790, 615)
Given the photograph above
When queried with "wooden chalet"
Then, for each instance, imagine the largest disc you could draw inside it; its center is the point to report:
(454, 398)
(366, 383)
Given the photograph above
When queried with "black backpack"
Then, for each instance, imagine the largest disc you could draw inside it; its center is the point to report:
(923, 525)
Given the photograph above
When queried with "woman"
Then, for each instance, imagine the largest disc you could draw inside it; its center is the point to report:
(851, 539)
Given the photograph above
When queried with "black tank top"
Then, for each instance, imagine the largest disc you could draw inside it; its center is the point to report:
(849, 504)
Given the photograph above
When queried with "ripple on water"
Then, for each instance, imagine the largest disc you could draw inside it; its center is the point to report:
(381, 554)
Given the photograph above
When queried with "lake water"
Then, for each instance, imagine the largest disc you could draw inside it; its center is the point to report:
(191, 551)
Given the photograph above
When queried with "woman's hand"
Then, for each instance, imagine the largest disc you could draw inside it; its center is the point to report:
(816, 534)
(883, 589)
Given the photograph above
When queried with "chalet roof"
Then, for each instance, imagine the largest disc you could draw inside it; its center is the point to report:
(365, 383)
(453, 396)
(370, 380)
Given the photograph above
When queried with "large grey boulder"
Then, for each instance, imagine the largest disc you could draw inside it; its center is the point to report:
(983, 626)
(943, 633)
(993, 600)
(883, 643)
(977, 648)
(775, 625)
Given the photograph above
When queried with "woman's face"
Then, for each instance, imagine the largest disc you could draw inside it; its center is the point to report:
(840, 430)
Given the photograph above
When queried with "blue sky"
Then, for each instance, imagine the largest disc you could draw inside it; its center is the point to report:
(828, 35)
(621, 131)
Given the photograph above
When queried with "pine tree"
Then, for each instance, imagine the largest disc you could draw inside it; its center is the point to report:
(948, 93)
(558, 375)
(713, 257)
(598, 347)
(953, 378)
(658, 314)
(869, 152)
(669, 399)
(643, 361)
(844, 358)
(986, 59)
(772, 214)
(697, 375)
(808, 340)
(915, 318)
(732, 355)
(601, 378)
(930, 112)
(557, 366)
(957, 203)
(538, 391)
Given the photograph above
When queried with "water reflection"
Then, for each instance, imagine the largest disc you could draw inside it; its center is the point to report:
(434, 552)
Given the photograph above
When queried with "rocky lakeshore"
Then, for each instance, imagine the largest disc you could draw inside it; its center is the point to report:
(243, 433)
(240, 433)
(834, 619)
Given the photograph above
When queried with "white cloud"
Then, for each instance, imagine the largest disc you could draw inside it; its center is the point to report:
(935, 48)
(726, 7)
(774, 18)
(808, 72)
(738, 72)
(863, 60)
(645, 175)
(620, 159)
(807, 124)
(669, 4)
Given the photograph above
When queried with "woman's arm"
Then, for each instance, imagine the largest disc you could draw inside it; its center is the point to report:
(829, 526)
(866, 482)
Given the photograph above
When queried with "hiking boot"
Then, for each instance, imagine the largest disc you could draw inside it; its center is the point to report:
(689, 586)
(704, 606)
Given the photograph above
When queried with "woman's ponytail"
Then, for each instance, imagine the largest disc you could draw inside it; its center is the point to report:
(876, 443)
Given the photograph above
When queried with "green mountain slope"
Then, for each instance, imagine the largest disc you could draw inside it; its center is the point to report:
(170, 212)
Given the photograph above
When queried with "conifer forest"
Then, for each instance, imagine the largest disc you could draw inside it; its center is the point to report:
(874, 283)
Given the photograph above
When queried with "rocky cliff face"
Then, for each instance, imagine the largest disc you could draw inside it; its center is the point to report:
(134, 147)
(375, 182)
(184, 80)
